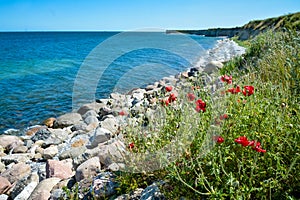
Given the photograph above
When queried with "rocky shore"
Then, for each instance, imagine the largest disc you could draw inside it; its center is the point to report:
(85, 148)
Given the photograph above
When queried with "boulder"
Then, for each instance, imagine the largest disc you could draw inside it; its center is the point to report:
(9, 142)
(68, 119)
(20, 149)
(5, 185)
(104, 185)
(17, 158)
(91, 106)
(24, 187)
(16, 172)
(112, 153)
(100, 135)
(73, 152)
(49, 122)
(90, 113)
(41, 134)
(60, 169)
(88, 169)
(152, 192)
(110, 123)
(43, 189)
(91, 119)
(50, 152)
(212, 66)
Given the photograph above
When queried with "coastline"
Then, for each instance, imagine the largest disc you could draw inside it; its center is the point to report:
(62, 149)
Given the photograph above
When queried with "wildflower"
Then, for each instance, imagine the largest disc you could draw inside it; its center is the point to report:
(224, 116)
(218, 139)
(234, 90)
(172, 97)
(226, 79)
(200, 105)
(248, 90)
(256, 146)
(169, 88)
(131, 145)
(191, 96)
(243, 141)
(122, 113)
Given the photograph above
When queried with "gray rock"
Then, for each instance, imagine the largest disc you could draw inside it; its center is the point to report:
(112, 153)
(50, 152)
(4, 197)
(20, 149)
(42, 134)
(57, 194)
(116, 167)
(88, 169)
(212, 66)
(9, 142)
(73, 152)
(105, 111)
(152, 192)
(68, 119)
(100, 135)
(104, 185)
(79, 127)
(43, 189)
(17, 158)
(24, 187)
(17, 172)
(90, 113)
(91, 106)
(91, 119)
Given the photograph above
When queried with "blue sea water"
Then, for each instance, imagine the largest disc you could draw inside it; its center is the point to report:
(38, 69)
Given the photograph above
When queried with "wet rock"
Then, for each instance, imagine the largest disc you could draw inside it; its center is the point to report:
(5, 185)
(17, 172)
(88, 169)
(43, 189)
(68, 119)
(60, 169)
(100, 135)
(42, 134)
(49, 122)
(9, 142)
(104, 184)
(34, 130)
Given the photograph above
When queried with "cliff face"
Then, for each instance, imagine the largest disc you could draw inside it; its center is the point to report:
(243, 34)
(251, 29)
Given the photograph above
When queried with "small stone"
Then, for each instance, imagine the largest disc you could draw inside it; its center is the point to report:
(72, 152)
(91, 119)
(34, 130)
(16, 158)
(49, 122)
(2, 167)
(5, 185)
(88, 169)
(152, 192)
(42, 134)
(100, 135)
(60, 169)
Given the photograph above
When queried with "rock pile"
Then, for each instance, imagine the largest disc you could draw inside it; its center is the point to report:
(86, 147)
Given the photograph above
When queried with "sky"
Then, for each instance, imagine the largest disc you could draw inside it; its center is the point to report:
(108, 15)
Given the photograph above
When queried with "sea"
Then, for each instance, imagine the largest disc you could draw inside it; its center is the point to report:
(46, 74)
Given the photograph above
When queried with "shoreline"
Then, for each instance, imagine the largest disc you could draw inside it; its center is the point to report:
(75, 147)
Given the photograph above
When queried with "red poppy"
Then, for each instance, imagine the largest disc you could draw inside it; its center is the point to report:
(256, 147)
(200, 105)
(235, 90)
(218, 139)
(169, 88)
(226, 79)
(172, 97)
(122, 113)
(248, 90)
(242, 140)
(131, 145)
(224, 116)
(191, 96)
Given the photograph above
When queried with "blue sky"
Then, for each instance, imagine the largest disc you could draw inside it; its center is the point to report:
(30, 15)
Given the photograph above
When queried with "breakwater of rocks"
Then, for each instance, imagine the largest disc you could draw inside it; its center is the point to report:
(85, 148)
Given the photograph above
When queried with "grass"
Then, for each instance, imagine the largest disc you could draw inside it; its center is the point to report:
(209, 170)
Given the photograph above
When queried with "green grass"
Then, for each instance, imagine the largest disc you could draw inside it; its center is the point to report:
(207, 170)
